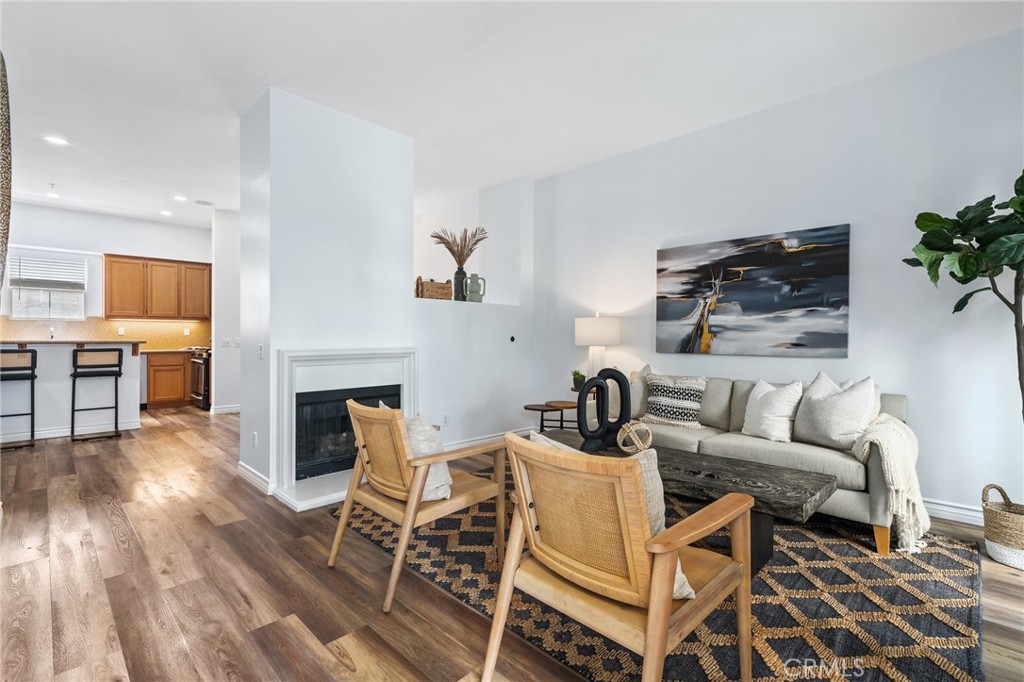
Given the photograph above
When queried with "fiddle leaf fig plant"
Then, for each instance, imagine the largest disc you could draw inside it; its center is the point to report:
(979, 245)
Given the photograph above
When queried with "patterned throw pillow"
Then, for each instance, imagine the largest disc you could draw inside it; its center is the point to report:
(674, 400)
(654, 496)
(835, 416)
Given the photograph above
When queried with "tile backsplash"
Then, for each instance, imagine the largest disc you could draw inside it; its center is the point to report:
(158, 334)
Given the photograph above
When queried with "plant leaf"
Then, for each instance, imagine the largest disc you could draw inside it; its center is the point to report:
(1007, 250)
(1016, 204)
(978, 214)
(952, 263)
(966, 298)
(931, 260)
(1018, 187)
(914, 262)
(930, 221)
(965, 268)
(937, 239)
(1001, 226)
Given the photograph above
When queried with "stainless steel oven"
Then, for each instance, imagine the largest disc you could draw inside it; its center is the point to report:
(200, 363)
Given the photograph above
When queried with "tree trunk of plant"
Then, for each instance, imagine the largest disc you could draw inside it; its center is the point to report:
(1018, 328)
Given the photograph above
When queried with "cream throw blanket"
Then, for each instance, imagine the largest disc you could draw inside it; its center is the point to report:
(898, 447)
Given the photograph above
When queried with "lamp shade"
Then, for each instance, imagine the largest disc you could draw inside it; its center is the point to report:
(598, 331)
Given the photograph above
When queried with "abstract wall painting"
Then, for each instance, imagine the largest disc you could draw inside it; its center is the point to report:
(784, 294)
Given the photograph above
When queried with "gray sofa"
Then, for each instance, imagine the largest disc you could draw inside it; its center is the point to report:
(861, 494)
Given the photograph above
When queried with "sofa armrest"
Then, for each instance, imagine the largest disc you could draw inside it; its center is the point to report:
(880, 511)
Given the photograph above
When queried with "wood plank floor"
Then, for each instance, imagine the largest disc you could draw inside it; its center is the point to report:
(147, 558)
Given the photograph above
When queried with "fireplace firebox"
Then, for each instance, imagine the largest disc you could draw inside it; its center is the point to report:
(324, 441)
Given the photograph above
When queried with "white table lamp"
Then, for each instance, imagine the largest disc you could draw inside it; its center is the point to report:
(597, 332)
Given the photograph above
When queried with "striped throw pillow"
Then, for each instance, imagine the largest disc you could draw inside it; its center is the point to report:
(674, 400)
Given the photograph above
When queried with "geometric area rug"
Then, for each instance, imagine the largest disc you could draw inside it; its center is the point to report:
(825, 607)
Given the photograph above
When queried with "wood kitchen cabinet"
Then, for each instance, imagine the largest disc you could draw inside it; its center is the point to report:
(124, 286)
(168, 379)
(162, 299)
(195, 291)
(151, 288)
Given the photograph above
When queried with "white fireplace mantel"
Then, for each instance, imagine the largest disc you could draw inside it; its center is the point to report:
(320, 370)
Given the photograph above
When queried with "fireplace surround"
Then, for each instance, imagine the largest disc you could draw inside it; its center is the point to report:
(309, 371)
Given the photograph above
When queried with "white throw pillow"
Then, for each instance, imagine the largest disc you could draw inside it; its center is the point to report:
(425, 440)
(654, 497)
(835, 416)
(770, 411)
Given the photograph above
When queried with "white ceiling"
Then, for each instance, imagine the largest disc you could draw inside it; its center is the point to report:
(150, 94)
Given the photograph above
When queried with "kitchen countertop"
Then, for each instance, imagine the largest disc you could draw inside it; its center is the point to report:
(166, 350)
(94, 342)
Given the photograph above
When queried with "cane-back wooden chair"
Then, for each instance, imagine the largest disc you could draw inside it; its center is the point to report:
(591, 555)
(395, 482)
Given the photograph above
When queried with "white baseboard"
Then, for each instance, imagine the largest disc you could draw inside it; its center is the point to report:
(254, 478)
(65, 431)
(484, 439)
(225, 409)
(953, 511)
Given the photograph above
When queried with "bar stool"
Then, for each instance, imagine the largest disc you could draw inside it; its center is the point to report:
(20, 365)
(95, 363)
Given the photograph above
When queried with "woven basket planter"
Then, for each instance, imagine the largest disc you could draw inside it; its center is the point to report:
(1004, 528)
(441, 291)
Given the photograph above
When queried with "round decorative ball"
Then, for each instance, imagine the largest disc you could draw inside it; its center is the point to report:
(634, 436)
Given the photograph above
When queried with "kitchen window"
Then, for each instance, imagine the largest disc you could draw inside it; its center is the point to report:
(47, 288)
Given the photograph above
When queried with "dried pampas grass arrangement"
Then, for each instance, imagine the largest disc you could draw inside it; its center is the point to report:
(461, 246)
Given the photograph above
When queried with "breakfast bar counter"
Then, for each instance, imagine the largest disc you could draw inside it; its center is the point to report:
(53, 391)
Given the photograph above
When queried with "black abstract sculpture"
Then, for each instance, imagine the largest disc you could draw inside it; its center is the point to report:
(607, 432)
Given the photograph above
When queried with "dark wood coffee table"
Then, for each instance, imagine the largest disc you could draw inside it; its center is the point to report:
(777, 491)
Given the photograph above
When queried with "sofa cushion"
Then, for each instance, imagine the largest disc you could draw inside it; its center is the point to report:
(638, 392)
(674, 400)
(741, 389)
(715, 404)
(849, 472)
(834, 416)
(664, 436)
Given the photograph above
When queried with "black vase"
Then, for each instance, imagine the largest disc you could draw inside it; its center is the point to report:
(459, 284)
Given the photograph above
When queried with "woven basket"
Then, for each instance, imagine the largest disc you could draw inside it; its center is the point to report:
(441, 291)
(1004, 528)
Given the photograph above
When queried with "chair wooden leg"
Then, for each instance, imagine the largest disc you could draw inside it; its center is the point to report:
(658, 611)
(346, 510)
(881, 539)
(419, 480)
(739, 532)
(513, 555)
(499, 504)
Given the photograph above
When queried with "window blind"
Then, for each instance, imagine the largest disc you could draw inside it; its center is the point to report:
(48, 273)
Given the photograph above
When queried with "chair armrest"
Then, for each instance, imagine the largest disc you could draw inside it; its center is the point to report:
(701, 523)
(458, 453)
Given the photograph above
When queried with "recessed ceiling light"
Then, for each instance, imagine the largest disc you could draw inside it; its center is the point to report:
(53, 195)
(178, 197)
(53, 139)
(166, 213)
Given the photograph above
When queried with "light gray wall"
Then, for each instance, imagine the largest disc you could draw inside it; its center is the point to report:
(227, 335)
(934, 135)
(254, 288)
